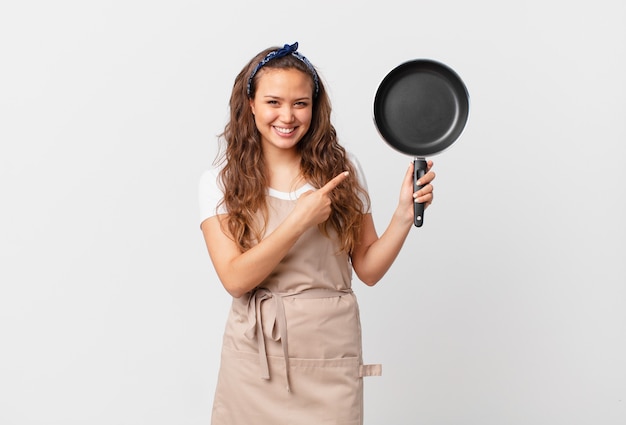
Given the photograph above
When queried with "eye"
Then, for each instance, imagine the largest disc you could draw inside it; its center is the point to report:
(272, 102)
(301, 104)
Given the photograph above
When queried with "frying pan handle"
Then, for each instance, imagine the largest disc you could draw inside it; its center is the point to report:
(419, 169)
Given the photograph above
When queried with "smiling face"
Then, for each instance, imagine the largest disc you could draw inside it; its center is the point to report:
(282, 107)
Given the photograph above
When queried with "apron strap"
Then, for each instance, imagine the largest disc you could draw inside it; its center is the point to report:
(255, 321)
(370, 370)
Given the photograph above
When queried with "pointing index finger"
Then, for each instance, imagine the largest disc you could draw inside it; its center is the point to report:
(334, 182)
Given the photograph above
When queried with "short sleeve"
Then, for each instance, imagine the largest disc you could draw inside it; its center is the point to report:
(362, 181)
(210, 194)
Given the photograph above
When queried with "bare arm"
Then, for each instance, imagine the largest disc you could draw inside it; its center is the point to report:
(241, 272)
(373, 255)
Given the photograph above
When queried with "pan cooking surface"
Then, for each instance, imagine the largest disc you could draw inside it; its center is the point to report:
(421, 107)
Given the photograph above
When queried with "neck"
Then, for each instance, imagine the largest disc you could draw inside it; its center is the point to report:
(284, 170)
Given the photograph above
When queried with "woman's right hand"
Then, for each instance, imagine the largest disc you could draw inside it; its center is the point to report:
(314, 206)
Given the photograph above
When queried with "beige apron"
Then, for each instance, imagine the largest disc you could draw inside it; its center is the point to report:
(291, 351)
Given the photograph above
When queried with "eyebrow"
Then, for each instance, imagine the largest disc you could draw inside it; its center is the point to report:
(271, 96)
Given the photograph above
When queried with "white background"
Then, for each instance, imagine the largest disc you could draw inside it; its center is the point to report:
(507, 307)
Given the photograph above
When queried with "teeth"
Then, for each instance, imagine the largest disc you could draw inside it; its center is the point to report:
(284, 130)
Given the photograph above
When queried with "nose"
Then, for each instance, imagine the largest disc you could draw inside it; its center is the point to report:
(286, 114)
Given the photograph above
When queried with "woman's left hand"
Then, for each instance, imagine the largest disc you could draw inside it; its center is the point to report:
(425, 195)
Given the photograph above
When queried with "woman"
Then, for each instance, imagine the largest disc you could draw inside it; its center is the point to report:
(286, 218)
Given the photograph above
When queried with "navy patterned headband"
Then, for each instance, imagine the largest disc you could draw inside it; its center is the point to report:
(286, 50)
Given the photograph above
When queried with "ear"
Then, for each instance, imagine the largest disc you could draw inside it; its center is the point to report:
(251, 103)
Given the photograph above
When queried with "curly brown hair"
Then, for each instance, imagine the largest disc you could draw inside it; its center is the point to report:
(244, 176)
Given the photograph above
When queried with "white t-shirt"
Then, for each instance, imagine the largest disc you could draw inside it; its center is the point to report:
(210, 190)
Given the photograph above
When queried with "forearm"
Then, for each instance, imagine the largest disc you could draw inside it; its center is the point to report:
(378, 257)
(241, 272)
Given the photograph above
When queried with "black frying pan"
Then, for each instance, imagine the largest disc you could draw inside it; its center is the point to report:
(420, 109)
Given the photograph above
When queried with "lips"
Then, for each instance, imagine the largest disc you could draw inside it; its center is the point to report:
(283, 130)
